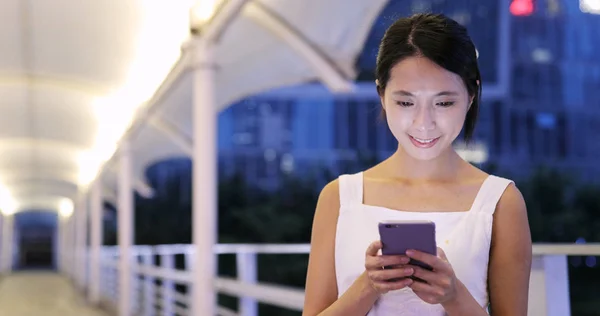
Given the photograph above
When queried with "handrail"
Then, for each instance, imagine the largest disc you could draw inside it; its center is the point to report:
(550, 262)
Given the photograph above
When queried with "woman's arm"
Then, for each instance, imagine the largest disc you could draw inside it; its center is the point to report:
(510, 256)
(321, 287)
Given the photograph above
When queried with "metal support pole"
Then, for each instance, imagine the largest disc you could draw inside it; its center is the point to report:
(96, 208)
(125, 227)
(204, 183)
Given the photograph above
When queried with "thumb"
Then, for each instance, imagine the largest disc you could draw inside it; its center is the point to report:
(373, 248)
(441, 254)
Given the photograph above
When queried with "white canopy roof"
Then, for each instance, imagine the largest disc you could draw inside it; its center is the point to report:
(73, 74)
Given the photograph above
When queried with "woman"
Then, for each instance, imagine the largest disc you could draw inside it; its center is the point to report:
(429, 84)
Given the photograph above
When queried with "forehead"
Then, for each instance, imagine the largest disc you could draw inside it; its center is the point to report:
(420, 73)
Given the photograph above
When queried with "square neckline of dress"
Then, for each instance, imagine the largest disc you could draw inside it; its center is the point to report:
(476, 201)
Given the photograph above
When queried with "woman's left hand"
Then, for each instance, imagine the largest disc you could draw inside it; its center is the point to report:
(440, 285)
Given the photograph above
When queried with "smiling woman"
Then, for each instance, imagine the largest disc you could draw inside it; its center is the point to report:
(429, 85)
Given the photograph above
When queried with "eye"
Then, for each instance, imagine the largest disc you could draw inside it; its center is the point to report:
(445, 104)
(404, 103)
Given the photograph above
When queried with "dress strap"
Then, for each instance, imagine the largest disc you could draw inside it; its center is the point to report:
(490, 193)
(351, 189)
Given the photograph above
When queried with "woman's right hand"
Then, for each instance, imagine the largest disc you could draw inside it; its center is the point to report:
(393, 277)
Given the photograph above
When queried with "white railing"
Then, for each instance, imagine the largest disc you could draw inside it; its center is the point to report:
(154, 284)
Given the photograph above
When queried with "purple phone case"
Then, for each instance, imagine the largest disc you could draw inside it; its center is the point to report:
(397, 237)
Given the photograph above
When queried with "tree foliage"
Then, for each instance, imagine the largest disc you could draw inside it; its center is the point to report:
(559, 210)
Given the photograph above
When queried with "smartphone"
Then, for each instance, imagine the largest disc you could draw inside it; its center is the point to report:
(399, 236)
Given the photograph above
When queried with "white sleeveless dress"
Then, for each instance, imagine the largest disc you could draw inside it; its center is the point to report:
(464, 236)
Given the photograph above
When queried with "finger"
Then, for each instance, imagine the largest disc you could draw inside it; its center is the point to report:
(390, 274)
(384, 287)
(430, 260)
(426, 275)
(377, 262)
(373, 248)
(442, 254)
(424, 288)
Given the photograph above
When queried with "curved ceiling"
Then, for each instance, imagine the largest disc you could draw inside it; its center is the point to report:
(74, 73)
(64, 65)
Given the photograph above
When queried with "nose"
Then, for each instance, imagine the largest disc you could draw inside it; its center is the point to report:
(424, 120)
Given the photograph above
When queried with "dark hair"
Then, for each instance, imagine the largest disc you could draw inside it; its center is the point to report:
(439, 39)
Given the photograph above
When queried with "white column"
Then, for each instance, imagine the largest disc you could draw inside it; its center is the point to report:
(7, 243)
(63, 250)
(76, 242)
(16, 250)
(82, 240)
(71, 244)
(96, 209)
(58, 243)
(66, 250)
(247, 270)
(549, 286)
(204, 181)
(2, 220)
(125, 227)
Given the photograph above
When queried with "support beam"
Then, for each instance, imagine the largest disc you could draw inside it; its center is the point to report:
(212, 31)
(140, 186)
(125, 227)
(173, 133)
(320, 63)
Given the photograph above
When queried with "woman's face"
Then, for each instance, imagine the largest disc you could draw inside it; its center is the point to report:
(425, 107)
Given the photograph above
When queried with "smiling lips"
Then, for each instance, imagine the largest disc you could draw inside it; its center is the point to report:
(423, 142)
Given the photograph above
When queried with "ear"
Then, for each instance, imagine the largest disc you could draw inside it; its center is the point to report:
(472, 98)
(379, 92)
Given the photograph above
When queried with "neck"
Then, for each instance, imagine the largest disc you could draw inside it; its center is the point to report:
(443, 168)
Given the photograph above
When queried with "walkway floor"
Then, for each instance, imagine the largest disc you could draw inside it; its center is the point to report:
(41, 293)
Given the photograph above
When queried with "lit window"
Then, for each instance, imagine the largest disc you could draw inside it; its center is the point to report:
(590, 6)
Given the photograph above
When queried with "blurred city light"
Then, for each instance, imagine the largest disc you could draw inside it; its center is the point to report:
(521, 7)
(590, 261)
(590, 6)
(475, 153)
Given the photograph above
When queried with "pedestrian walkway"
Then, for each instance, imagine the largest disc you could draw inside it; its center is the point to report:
(42, 294)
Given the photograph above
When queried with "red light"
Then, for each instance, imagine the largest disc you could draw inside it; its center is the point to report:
(521, 7)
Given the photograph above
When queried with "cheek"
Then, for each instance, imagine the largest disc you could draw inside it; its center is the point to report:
(450, 120)
(398, 120)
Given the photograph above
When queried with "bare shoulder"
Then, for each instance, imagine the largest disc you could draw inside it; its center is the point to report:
(512, 204)
(329, 198)
(510, 255)
(510, 218)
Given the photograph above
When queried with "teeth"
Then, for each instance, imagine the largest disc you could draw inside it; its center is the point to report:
(425, 141)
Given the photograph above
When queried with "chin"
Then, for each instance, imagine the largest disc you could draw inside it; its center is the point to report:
(424, 154)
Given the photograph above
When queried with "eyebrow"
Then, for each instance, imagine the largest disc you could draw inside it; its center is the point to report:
(408, 94)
